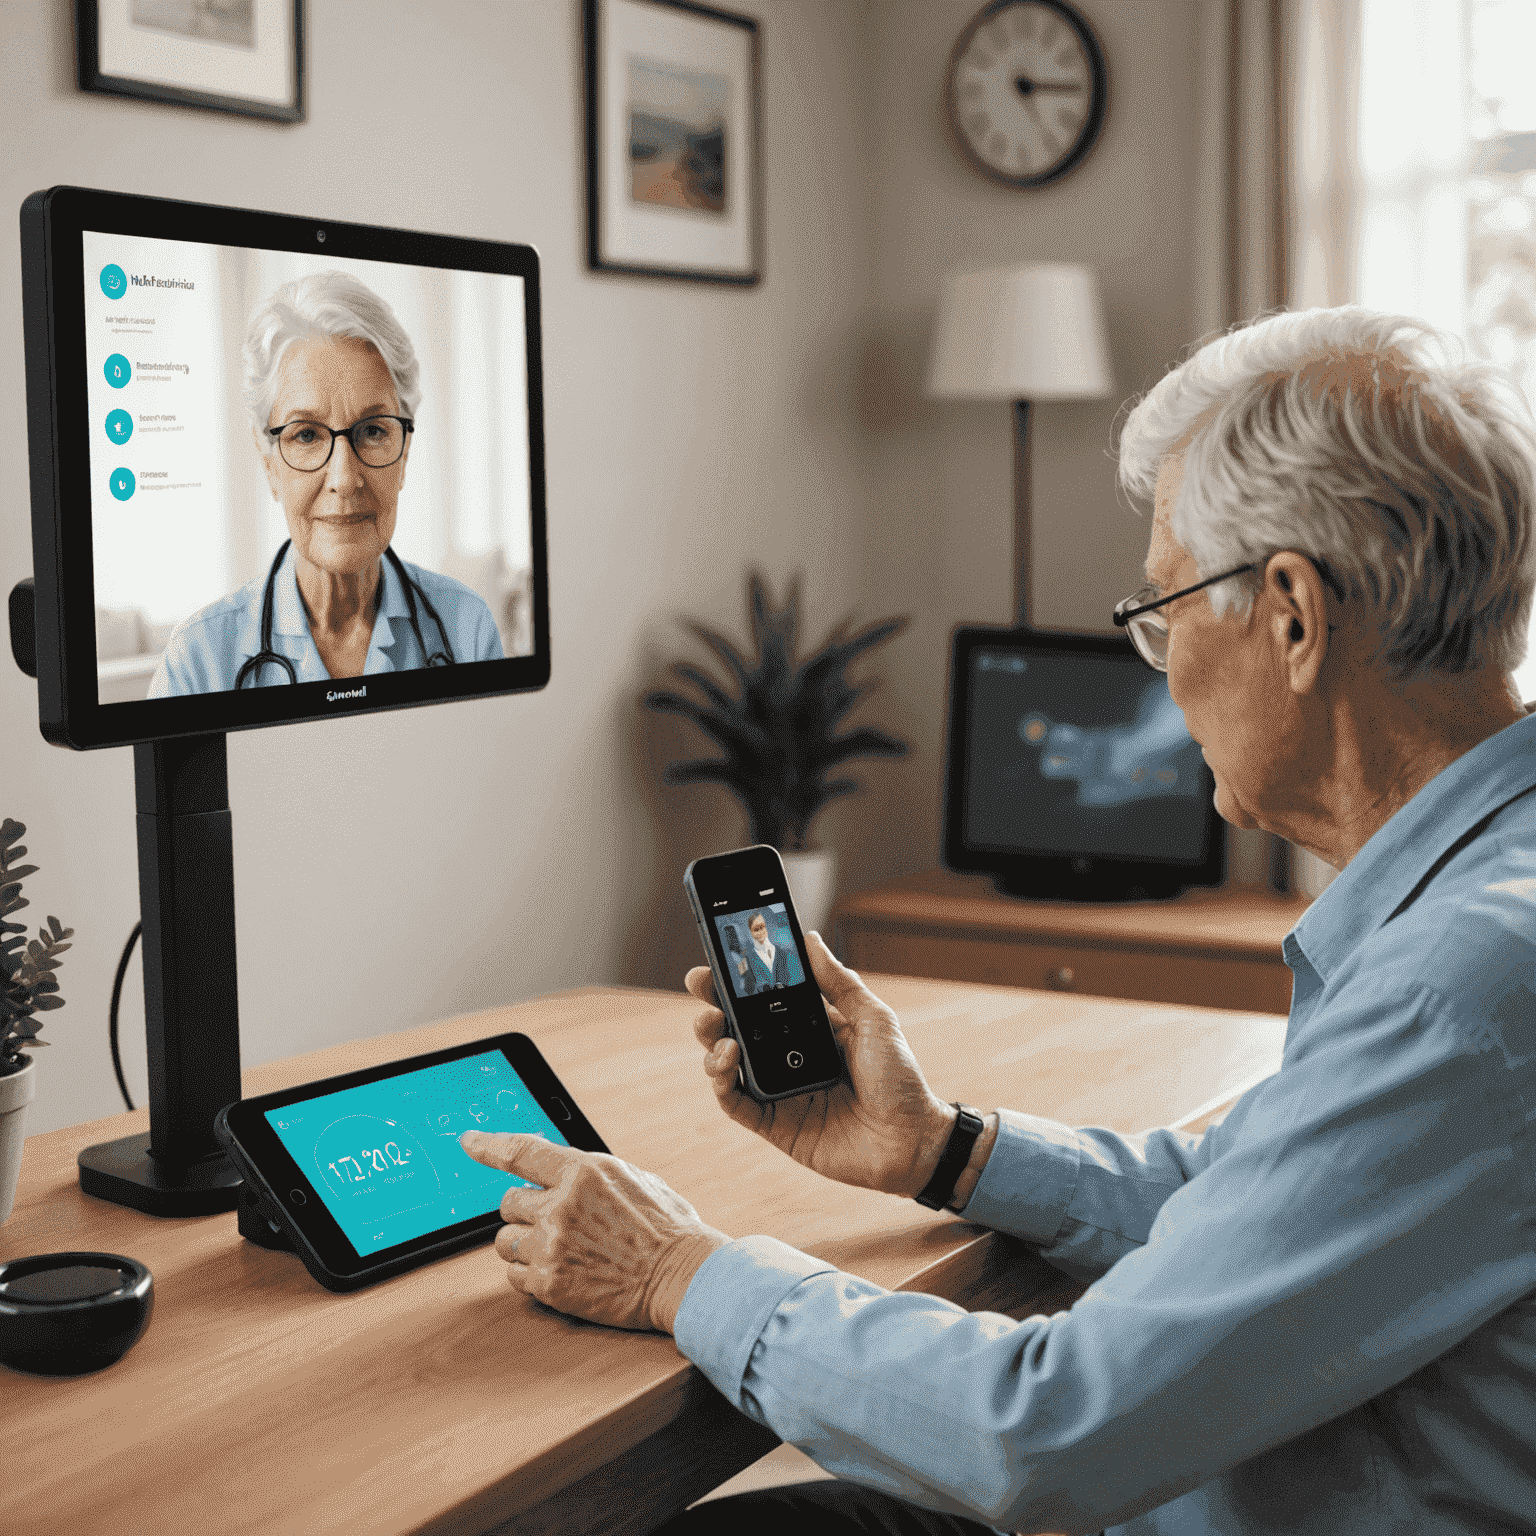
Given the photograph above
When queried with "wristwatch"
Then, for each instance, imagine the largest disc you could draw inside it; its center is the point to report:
(937, 1192)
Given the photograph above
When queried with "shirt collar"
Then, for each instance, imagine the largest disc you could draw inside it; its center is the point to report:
(1399, 854)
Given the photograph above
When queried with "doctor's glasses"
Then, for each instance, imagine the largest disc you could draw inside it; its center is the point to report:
(378, 441)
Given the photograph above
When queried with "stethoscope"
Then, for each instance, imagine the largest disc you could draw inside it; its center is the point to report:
(252, 665)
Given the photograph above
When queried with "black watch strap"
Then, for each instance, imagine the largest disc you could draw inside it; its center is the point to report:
(940, 1188)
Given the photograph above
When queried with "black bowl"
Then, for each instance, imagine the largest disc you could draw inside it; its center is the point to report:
(65, 1313)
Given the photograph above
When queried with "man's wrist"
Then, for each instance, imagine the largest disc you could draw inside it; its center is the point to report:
(674, 1273)
(931, 1145)
(970, 1175)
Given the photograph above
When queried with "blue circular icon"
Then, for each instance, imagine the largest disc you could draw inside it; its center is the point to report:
(119, 426)
(122, 483)
(114, 281)
(118, 370)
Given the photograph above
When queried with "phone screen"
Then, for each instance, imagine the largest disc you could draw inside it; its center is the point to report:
(385, 1156)
(758, 953)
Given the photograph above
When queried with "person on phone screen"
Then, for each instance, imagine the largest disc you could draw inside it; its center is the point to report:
(771, 965)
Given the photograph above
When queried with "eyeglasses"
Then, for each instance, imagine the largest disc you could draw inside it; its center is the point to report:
(378, 441)
(1147, 628)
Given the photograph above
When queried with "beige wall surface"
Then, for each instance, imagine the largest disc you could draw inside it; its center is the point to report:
(942, 544)
(397, 868)
(400, 867)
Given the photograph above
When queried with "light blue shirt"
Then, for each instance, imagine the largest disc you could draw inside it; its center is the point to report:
(1316, 1319)
(205, 652)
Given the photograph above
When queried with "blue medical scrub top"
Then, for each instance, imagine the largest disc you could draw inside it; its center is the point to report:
(206, 651)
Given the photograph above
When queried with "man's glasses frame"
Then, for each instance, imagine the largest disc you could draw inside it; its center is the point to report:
(1150, 636)
(350, 433)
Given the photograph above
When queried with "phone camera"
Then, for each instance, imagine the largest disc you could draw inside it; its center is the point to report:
(320, 236)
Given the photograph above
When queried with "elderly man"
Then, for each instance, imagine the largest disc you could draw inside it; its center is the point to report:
(1320, 1315)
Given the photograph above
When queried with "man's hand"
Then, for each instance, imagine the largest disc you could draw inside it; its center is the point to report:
(882, 1129)
(600, 1239)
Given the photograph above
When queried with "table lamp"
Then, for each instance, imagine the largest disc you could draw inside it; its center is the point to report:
(1027, 333)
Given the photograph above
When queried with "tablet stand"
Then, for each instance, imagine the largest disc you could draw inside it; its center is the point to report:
(187, 905)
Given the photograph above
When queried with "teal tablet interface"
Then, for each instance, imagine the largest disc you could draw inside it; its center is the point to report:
(385, 1156)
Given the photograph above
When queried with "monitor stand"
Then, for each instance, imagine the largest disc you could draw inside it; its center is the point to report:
(187, 904)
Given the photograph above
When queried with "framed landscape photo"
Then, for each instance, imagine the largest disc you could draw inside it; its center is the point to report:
(244, 56)
(674, 175)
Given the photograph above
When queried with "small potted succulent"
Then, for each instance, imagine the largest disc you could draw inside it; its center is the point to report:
(775, 720)
(28, 987)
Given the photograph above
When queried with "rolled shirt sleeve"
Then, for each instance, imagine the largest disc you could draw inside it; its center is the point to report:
(1258, 1281)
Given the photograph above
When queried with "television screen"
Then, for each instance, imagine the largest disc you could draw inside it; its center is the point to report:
(312, 465)
(1068, 755)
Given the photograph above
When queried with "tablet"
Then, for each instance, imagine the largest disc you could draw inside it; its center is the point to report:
(363, 1173)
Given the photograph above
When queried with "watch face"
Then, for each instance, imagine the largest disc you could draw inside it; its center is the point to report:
(1027, 89)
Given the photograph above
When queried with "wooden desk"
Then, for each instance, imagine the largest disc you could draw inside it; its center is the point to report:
(1219, 949)
(444, 1401)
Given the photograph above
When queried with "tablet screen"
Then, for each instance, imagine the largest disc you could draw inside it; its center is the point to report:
(385, 1156)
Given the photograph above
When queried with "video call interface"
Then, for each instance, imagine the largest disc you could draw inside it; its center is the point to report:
(192, 499)
(385, 1157)
(761, 953)
(1079, 754)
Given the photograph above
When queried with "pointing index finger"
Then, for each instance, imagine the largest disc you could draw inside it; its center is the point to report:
(521, 1153)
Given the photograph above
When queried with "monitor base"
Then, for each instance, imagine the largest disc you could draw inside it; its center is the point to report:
(126, 1173)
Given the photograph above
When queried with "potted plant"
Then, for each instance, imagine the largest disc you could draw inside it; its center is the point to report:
(28, 987)
(775, 720)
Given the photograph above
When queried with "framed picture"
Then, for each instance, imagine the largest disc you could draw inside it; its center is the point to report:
(244, 56)
(674, 175)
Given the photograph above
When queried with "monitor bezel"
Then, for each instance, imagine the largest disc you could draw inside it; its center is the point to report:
(1064, 875)
(70, 712)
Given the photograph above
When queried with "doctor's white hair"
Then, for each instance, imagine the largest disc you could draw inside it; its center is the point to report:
(1372, 444)
(308, 309)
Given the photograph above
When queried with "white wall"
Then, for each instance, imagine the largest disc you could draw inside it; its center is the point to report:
(397, 868)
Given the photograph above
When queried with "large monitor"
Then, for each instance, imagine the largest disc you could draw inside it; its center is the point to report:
(282, 469)
(1070, 771)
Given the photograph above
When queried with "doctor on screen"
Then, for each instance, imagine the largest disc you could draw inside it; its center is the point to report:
(332, 383)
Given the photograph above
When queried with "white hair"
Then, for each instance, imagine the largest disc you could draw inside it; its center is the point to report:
(1371, 444)
(308, 309)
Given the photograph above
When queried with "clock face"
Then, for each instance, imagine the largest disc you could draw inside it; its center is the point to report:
(1026, 90)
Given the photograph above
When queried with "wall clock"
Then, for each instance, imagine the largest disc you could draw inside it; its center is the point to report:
(1026, 89)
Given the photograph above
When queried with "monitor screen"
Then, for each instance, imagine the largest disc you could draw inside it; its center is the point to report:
(1070, 749)
(313, 466)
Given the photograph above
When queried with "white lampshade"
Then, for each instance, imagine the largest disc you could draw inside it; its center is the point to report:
(1028, 332)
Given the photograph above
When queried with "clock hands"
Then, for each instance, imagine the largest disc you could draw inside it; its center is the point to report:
(1027, 87)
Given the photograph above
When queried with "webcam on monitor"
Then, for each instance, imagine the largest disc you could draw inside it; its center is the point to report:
(282, 469)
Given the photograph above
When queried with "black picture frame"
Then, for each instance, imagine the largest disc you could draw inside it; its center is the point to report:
(97, 74)
(604, 252)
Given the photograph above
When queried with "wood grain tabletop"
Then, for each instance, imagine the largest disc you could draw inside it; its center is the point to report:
(444, 1401)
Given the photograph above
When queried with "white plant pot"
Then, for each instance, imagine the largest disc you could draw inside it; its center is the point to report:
(16, 1091)
(812, 877)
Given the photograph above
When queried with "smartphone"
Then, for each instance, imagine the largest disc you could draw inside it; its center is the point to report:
(763, 981)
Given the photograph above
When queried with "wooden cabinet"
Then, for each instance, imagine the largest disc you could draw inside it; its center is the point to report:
(1217, 949)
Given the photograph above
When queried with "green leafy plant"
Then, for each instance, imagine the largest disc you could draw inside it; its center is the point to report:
(776, 717)
(28, 986)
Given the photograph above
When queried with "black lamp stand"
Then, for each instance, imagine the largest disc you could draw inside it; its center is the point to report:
(187, 905)
(1021, 518)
